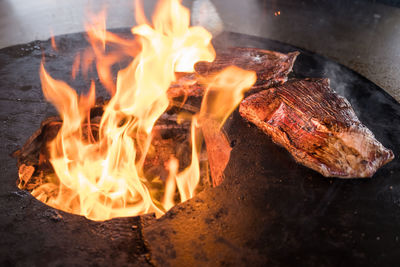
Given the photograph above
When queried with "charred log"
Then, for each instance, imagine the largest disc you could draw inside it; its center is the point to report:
(170, 139)
(218, 150)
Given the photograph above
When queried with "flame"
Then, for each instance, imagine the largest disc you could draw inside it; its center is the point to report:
(224, 92)
(53, 41)
(170, 184)
(100, 175)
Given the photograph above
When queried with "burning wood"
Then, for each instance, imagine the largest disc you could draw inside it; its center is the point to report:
(99, 166)
(318, 127)
(170, 139)
(218, 150)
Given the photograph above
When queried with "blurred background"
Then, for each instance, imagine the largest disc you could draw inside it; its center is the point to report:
(364, 35)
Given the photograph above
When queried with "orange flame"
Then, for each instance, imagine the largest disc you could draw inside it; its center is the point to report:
(53, 41)
(224, 92)
(103, 177)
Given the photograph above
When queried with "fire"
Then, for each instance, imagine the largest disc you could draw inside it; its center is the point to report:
(100, 175)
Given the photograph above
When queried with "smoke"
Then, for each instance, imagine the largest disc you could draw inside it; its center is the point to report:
(340, 79)
(205, 14)
(345, 83)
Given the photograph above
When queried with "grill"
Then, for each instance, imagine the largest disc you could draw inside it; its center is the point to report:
(268, 210)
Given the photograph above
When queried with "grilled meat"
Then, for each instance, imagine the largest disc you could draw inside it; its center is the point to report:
(272, 68)
(318, 127)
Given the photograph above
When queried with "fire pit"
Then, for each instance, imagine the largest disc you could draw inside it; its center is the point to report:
(269, 209)
(98, 158)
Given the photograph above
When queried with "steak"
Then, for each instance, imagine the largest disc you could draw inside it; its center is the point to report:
(272, 68)
(318, 127)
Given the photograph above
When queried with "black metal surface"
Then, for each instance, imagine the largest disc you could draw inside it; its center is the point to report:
(268, 210)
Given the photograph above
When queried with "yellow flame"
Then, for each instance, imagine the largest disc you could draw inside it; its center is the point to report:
(170, 184)
(224, 92)
(103, 177)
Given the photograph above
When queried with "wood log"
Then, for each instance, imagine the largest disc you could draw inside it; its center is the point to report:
(169, 139)
(218, 149)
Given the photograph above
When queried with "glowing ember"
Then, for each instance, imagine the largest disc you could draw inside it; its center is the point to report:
(103, 177)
